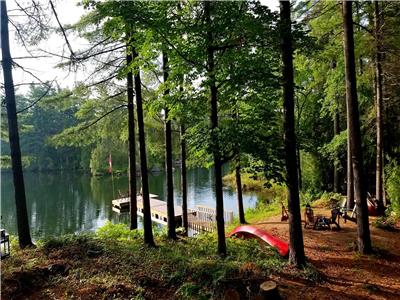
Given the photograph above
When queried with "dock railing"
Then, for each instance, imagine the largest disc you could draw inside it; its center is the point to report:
(209, 214)
(203, 218)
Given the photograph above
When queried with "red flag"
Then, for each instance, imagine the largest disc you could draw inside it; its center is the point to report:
(109, 164)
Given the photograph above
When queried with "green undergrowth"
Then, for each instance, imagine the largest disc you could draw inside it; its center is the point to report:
(114, 263)
(115, 256)
(269, 199)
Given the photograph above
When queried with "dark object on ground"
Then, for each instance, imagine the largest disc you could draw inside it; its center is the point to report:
(322, 222)
(375, 207)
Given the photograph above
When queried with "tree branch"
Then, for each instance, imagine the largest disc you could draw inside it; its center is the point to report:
(62, 29)
(37, 100)
(101, 117)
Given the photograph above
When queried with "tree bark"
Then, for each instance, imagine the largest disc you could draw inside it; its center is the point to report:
(336, 176)
(239, 192)
(168, 161)
(132, 148)
(350, 182)
(214, 135)
(299, 166)
(184, 180)
(24, 236)
(363, 239)
(147, 226)
(379, 105)
(296, 246)
(237, 172)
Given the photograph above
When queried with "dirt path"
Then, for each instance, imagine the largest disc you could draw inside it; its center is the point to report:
(348, 275)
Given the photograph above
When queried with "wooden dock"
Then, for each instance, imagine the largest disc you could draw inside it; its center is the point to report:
(202, 218)
(158, 209)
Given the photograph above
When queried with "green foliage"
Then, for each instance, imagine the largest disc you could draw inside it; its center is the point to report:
(392, 174)
(327, 200)
(311, 173)
(117, 232)
(309, 272)
(37, 125)
(83, 240)
(386, 223)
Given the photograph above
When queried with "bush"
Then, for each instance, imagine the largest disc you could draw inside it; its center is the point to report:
(392, 174)
(117, 232)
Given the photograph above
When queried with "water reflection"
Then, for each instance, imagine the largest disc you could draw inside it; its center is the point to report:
(69, 202)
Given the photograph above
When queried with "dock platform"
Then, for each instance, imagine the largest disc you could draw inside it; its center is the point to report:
(202, 218)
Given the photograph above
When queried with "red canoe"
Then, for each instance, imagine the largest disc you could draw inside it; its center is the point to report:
(247, 231)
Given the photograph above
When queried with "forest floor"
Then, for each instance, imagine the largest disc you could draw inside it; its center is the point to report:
(114, 264)
(346, 274)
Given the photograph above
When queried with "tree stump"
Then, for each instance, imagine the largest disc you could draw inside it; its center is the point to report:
(269, 290)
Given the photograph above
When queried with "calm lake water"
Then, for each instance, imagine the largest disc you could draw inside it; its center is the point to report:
(66, 202)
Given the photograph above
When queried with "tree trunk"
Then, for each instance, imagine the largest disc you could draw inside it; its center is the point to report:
(350, 182)
(237, 173)
(168, 161)
(184, 181)
(296, 246)
(132, 148)
(299, 166)
(364, 239)
(239, 192)
(24, 236)
(148, 231)
(214, 137)
(336, 176)
(379, 106)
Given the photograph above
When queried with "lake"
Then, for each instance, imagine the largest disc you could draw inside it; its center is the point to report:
(71, 202)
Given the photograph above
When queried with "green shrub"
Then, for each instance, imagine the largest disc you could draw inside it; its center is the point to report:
(392, 174)
(385, 222)
(117, 232)
(311, 174)
(328, 200)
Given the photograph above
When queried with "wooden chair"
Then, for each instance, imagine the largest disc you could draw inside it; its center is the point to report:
(309, 217)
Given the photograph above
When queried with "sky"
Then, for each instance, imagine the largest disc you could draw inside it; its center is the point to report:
(46, 68)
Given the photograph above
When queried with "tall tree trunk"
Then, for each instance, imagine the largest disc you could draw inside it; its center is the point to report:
(239, 191)
(24, 236)
(350, 181)
(296, 246)
(237, 174)
(299, 166)
(214, 136)
(364, 239)
(168, 160)
(184, 180)
(132, 148)
(148, 231)
(379, 105)
(336, 176)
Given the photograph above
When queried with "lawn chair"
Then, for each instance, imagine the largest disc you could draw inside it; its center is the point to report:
(285, 214)
(344, 211)
(309, 218)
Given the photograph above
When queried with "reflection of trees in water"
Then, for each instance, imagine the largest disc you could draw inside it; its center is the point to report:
(8, 211)
(65, 202)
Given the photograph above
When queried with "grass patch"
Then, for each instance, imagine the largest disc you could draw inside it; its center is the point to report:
(123, 267)
(269, 199)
